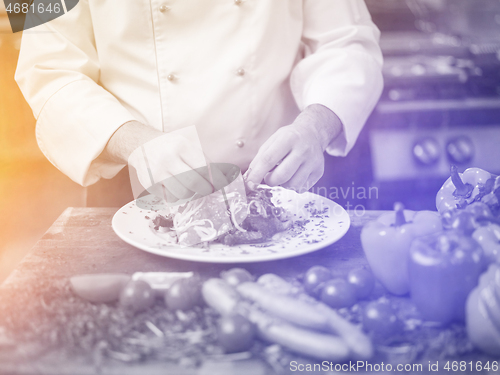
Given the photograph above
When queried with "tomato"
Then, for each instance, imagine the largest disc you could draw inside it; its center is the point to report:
(184, 294)
(338, 293)
(314, 279)
(380, 319)
(236, 276)
(235, 333)
(137, 296)
(362, 280)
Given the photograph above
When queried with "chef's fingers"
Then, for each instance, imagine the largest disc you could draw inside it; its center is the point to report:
(299, 180)
(192, 172)
(316, 174)
(160, 191)
(193, 157)
(284, 171)
(167, 195)
(177, 188)
(266, 159)
(219, 179)
(195, 181)
(269, 144)
(231, 171)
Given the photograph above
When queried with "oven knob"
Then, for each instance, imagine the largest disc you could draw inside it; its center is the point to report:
(426, 151)
(460, 150)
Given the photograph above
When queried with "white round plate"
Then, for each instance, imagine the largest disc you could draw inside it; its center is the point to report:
(318, 222)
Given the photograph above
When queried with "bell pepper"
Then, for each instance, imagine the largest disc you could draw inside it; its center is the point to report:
(467, 220)
(461, 189)
(491, 195)
(444, 268)
(386, 243)
(489, 238)
(483, 312)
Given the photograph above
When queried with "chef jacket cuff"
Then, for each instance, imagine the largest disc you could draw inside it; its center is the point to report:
(74, 127)
(352, 100)
(345, 140)
(352, 119)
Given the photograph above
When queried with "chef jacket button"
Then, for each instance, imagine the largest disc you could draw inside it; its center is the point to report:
(171, 77)
(240, 143)
(240, 72)
(238, 2)
(164, 8)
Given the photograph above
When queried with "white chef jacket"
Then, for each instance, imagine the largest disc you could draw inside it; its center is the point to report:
(236, 69)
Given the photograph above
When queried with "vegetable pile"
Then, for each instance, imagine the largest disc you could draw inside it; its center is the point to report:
(232, 317)
(438, 257)
(54, 317)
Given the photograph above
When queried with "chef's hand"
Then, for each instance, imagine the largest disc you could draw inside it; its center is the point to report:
(169, 165)
(293, 156)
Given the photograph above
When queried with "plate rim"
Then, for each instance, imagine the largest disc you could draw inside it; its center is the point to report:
(247, 259)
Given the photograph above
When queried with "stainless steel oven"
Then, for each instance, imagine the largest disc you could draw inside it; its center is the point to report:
(441, 101)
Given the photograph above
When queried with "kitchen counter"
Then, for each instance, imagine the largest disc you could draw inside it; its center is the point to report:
(82, 241)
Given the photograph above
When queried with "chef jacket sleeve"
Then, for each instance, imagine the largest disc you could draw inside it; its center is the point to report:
(341, 68)
(58, 73)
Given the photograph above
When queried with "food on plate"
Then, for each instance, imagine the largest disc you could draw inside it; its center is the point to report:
(444, 268)
(228, 218)
(386, 243)
(461, 189)
(483, 312)
(315, 278)
(235, 333)
(362, 280)
(338, 293)
(201, 220)
(137, 296)
(380, 320)
(100, 288)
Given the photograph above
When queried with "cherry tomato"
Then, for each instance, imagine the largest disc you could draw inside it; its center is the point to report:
(236, 276)
(314, 279)
(338, 293)
(137, 296)
(235, 333)
(184, 294)
(380, 319)
(362, 280)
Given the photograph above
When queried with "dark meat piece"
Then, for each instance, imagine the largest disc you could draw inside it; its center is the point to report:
(238, 238)
(267, 226)
(163, 221)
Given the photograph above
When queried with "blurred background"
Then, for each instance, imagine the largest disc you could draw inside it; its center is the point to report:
(440, 106)
(33, 193)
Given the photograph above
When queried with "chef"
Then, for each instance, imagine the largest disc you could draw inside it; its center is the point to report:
(268, 85)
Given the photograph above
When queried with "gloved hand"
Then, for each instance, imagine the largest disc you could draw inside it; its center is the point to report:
(293, 156)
